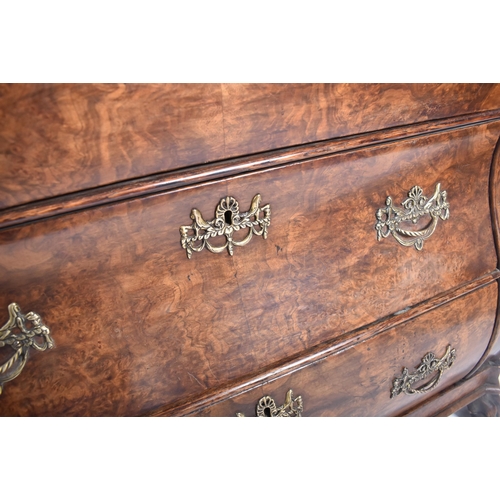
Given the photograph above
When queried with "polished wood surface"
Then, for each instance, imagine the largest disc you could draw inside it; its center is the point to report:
(97, 180)
(494, 346)
(322, 258)
(59, 139)
(326, 349)
(494, 196)
(261, 117)
(137, 325)
(358, 381)
(191, 176)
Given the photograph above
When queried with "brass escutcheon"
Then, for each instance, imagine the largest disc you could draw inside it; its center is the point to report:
(428, 366)
(415, 207)
(228, 220)
(21, 341)
(266, 407)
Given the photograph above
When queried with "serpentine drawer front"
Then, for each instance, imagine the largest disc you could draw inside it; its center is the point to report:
(366, 380)
(172, 270)
(139, 324)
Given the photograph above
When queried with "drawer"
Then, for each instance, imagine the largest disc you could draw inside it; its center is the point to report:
(137, 325)
(58, 139)
(360, 380)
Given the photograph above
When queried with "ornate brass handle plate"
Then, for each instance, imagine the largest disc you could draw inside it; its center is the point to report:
(415, 207)
(21, 341)
(228, 220)
(428, 366)
(266, 407)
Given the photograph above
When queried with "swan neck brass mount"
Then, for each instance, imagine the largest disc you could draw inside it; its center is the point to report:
(228, 220)
(415, 206)
(19, 336)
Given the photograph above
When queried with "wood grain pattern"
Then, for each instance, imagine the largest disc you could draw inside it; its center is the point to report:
(322, 259)
(261, 117)
(494, 197)
(494, 347)
(137, 325)
(494, 192)
(324, 350)
(192, 176)
(358, 381)
(57, 139)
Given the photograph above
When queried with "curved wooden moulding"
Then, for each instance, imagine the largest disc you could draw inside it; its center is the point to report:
(362, 380)
(493, 348)
(286, 368)
(65, 138)
(199, 174)
(494, 193)
(141, 325)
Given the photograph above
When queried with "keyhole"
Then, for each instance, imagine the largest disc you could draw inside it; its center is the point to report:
(267, 412)
(228, 217)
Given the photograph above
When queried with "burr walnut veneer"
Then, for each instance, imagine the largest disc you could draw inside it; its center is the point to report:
(368, 284)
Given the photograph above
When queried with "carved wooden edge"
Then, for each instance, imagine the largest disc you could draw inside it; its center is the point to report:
(494, 194)
(483, 402)
(290, 365)
(196, 175)
(494, 199)
(459, 395)
(487, 405)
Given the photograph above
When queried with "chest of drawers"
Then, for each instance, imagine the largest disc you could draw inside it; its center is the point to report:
(238, 250)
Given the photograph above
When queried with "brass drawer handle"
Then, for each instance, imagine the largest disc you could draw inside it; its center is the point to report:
(266, 407)
(428, 366)
(228, 219)
(415, 206)
(21, 341)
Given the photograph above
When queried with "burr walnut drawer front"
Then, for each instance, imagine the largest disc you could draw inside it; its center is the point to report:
(137, 324)
(384, 376)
